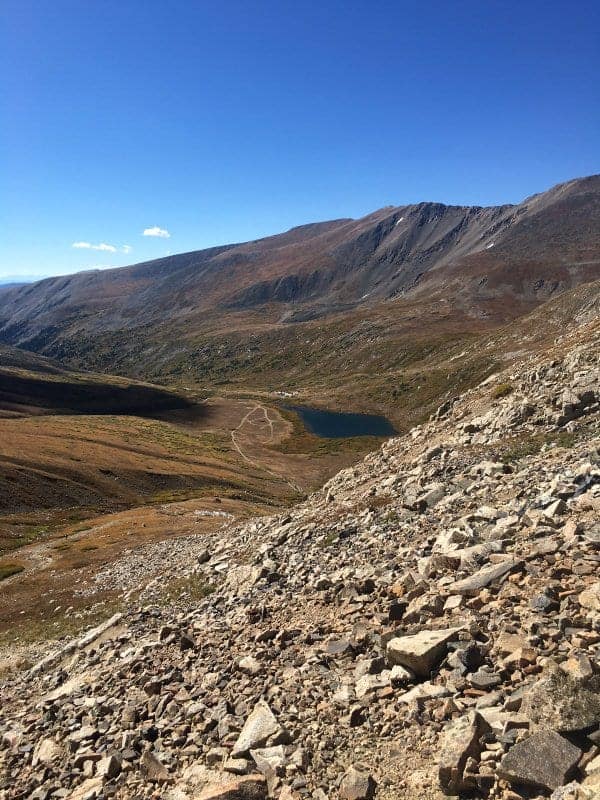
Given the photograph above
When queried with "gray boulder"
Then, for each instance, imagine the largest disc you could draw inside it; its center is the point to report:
(563, 702)
(544, 760)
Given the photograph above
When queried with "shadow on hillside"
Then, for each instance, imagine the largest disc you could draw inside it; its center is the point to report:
(89, 397)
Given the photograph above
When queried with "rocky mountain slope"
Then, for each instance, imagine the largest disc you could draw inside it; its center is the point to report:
(495, 262)
(426, 624)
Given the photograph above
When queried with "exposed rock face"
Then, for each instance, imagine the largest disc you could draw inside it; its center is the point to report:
(520, 253)
(447, 646)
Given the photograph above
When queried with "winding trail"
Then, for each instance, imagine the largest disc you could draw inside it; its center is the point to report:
(40, 555)
(246, 419)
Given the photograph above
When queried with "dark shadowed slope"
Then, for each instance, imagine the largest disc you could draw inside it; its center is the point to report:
(32, 385)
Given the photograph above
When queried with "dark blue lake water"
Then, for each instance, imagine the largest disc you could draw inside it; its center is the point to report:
(339, 425)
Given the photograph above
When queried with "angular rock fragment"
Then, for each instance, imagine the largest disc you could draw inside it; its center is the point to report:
(186, 642)
(484, 681)
(108, 767)
(237, 766)
(370, 683)
(400, 675)
(432, 495)
(423, 691)
(424, 606)
(260, 726)
(459, 742)
(590, 787)
(269, 760)
(590, 597)
(556, 508)
(153, 769)
(88, 790)
(249, 787)
(420, 652)
(357, 785)
(250, 665)
(563, 702)
(472, 585)
(501, 720)
(46, 752)
(544, 760)
(287, 793)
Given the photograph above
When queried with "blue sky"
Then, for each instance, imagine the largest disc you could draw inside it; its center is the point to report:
(219, 122)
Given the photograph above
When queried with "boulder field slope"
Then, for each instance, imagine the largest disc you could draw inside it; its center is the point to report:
(426, 624)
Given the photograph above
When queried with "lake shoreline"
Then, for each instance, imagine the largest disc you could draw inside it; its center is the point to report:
(339, 424)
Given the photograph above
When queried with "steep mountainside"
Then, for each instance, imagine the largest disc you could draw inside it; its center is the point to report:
(427, 624)
(492, 262)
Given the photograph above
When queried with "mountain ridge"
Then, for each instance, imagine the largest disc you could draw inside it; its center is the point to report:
(347, 314)
(390, 253)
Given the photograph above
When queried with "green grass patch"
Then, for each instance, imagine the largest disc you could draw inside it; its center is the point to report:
(192, 587)
(48, 627)
(521, 447)
(565, 439)
(8, 569)
(502, 390)
(329, 539)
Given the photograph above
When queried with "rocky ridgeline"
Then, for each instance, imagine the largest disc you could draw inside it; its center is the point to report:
(426, 624)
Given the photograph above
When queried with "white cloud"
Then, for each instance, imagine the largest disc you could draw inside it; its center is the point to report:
(156, 231)
(108, 248)
(127, 248)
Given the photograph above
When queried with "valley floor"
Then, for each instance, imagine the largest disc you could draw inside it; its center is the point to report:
(80, 492)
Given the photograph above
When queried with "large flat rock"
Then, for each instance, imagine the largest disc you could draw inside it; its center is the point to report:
(544, 760)
(420, 652)
(471, 586)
